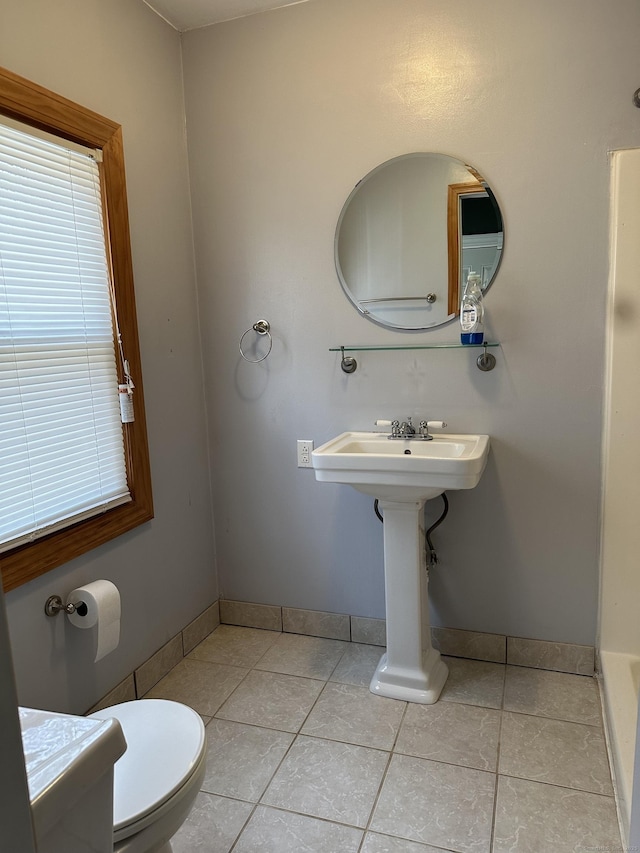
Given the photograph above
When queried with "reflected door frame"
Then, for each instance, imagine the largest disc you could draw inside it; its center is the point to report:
(454, 238)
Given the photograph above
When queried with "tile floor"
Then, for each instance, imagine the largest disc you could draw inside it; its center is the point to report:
(302, 758)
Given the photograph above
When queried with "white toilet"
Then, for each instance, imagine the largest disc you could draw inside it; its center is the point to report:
(158, 777)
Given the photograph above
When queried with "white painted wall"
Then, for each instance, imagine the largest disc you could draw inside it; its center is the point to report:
(620, 596)
(123, 61)
(619, 641)
(286, 111)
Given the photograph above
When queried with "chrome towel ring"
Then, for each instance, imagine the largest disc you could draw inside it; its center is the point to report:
(261, 327)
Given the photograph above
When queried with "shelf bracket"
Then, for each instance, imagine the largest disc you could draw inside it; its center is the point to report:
(486, 361)
(348, 363)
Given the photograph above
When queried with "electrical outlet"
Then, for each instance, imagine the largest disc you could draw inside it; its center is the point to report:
(305, 446)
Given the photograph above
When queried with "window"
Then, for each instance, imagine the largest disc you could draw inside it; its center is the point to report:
(73, 476)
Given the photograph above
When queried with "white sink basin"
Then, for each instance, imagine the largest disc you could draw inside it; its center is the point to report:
(402, 469)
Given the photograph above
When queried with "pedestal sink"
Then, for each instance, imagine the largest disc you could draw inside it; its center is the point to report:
(403, 474)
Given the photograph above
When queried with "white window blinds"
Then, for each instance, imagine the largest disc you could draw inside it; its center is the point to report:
(61, 443)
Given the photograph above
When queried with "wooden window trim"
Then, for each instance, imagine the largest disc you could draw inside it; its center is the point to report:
(33, 105)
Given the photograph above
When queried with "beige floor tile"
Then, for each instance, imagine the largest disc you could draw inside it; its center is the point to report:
(325, 779)
(358, 664)
(242, 759)
(438, 792)
(569, 754)
(311, 657)
(474, 682)
(456, 734)
(354, 715)
(235, 646)
(536, 818)
(275, 831)
(201, 685)
(552, 694)
(273, 700)
(438, 804)
(213, 825)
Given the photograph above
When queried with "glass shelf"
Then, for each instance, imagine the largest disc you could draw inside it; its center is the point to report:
(485, 362)
(382, 347)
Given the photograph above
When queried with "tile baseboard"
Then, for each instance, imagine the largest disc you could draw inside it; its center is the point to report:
(474, 645)
(250, 615)
(452, 642)
(333, 626)
(542, 654)
(158, 665)
(368, 631)
(144, 677)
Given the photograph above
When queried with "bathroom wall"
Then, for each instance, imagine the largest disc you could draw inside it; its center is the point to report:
(619, 627)
(123, 61)
(286, 111)
(619, 623)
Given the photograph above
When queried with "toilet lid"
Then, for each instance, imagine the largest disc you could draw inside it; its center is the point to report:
(165, 741)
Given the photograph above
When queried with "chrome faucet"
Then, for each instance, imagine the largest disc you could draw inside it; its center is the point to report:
(406, 429)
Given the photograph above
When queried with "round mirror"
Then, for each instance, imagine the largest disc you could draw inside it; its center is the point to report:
(409, 234)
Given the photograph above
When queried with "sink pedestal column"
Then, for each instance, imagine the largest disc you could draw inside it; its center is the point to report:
(411, 669)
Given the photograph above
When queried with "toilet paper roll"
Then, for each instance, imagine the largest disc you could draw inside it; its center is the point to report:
(101, 601)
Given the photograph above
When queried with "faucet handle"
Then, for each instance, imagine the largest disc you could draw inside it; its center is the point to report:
(395, 427)
(425, 426)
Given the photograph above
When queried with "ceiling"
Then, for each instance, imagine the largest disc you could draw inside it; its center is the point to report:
(191, 14)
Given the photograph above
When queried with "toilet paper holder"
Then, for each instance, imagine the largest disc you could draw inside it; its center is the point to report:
(55, 605)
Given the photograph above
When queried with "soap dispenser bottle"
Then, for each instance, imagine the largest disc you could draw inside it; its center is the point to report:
(472, 311)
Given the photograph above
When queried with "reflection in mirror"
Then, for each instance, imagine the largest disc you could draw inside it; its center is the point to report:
(474, 237)
(407, 236)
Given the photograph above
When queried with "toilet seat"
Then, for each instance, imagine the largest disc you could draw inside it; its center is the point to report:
(165, 748)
